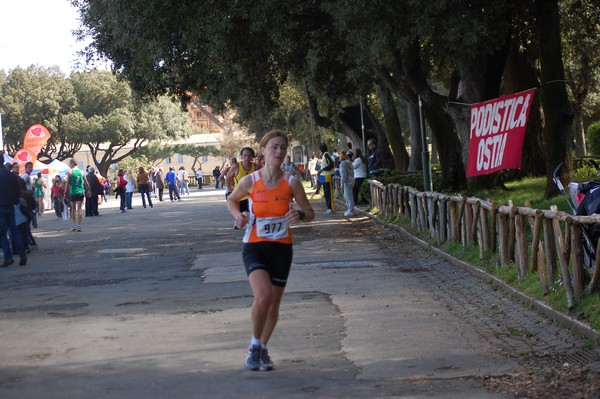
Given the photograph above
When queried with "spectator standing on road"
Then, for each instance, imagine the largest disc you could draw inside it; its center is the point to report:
(184, 179)
(143, 183)
(312, 170)
(120, 191)
(360, 174)
(326, 178)
(216, 173)
(28, 207)
(267, 244)
(347, 182)
(39, 190)
(240, 169)
(9, 197)
(199, 177)
(288, 166)
(152, 183)
(76, 184)
(160, 183)
(375, 159)
(350, 152)
(27, 176)
(96, 190)
(171, 180)
(57, 194)
(129, 188)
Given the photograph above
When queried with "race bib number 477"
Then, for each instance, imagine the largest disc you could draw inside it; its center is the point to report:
(272, 228)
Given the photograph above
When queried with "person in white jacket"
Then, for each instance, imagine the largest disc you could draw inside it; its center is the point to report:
(360, 174)
(347, 181)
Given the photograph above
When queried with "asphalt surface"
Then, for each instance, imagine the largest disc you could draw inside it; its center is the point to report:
(154, 303)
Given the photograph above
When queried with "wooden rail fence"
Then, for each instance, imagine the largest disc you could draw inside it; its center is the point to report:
(549, 242)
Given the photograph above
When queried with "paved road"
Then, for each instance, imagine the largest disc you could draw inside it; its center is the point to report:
(154, 303)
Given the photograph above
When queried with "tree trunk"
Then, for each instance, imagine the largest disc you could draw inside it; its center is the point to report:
(416, 161)
(558, 113)
(579, 131)
(520, 74)
(441, 124)
(392, 127)
(382, 140)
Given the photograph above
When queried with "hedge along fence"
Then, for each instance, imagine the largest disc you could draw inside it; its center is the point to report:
(554, 245)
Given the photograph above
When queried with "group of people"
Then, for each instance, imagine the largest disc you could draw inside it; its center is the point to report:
(151, 184)
(351, 167)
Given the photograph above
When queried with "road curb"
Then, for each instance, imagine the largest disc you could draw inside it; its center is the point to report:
(548, 311)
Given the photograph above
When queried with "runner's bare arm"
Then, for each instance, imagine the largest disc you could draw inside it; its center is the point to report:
(233, 170)
(242, 190)
(293, 216)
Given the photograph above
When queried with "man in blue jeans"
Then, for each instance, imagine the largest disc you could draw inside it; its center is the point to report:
(171, 180)
(9, 197)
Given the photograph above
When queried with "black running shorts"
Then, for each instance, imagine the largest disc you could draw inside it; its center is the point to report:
(273, 257)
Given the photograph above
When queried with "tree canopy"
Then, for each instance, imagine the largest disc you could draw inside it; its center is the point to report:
(92, 109)
(242, 54)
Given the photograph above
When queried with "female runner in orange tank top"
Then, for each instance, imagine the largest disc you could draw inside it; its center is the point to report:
(267, 248)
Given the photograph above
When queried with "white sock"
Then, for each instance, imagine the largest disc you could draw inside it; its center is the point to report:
(255, 341)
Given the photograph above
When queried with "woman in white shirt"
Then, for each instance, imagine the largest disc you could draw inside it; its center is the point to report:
(360, 174)
(129, 189)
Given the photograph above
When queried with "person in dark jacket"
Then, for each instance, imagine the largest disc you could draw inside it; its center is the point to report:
(28, 206)
(375, 160)
(9, 197)
(96, 189)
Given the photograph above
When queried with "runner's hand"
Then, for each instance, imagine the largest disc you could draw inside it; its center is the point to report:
(242, 219)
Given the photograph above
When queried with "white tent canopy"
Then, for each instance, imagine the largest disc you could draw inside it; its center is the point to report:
(58, 166)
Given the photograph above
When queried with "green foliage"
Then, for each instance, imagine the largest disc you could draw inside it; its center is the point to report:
(134, 164)
(585, 172)
(409, 179)
(593, 135)
(88, 108)
(40, 95)
(364, 191)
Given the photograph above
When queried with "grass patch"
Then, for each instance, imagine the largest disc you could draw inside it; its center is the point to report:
(526, 190)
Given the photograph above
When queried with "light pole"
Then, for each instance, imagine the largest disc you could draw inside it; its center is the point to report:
(362, 125)
(425, 150)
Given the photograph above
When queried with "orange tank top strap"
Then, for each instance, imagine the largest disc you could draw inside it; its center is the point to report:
(268, 207)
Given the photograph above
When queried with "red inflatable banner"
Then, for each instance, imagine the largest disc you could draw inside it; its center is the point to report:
(497, 133)
(35, 138)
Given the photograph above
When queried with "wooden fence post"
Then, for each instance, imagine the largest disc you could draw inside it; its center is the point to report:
(422, 211)
(511, 231)
(485, 229)
(550, 250)
(577, 256)
(414, 209)
(593, 286)
(461, 219)
(454, 224)
(503, 238)
(564, 267)
(521, 243)
(443, 229)
(431, 213)
(494, 219)
(475, 220)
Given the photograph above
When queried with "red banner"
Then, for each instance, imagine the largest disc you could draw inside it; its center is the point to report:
(35, 138)
(497, 133)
